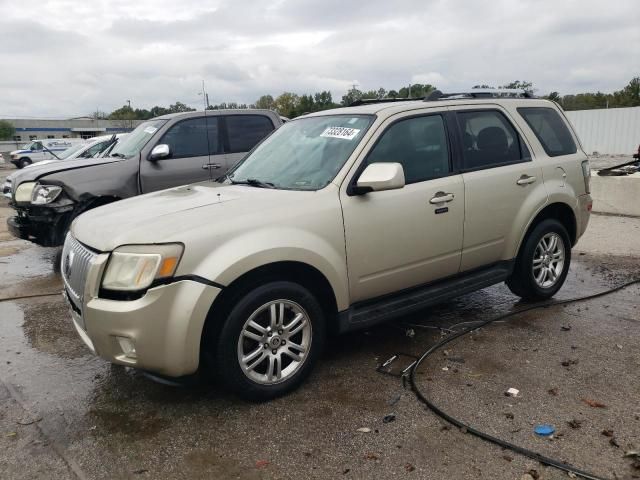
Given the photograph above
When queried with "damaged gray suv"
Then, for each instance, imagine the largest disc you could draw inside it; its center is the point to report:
(338, 221)
(166, 151)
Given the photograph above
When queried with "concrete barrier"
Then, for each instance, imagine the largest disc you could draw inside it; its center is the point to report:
(616, 195)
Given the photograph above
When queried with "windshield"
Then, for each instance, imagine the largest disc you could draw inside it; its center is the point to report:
(71, 150)
(303, 154)
(136, 140)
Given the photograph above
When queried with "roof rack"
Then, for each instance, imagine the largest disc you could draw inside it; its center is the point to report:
(480, 93)
(368, 101)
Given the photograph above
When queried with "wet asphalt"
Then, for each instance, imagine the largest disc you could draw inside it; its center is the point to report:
(67, 414)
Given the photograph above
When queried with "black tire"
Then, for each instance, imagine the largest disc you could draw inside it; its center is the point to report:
(522, 281)
(24, 162)
(227, 364)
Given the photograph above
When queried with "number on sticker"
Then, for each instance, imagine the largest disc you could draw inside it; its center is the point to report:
(345, 133)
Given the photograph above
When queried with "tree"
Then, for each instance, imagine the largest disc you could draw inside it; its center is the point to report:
(632, 92)
(125, 116)
(7, 130)
(554, 97)
(266, 101)
(519, 85)
(351, 96)
(306, 104)
(287, 103)
(180, 107)
(392, 94)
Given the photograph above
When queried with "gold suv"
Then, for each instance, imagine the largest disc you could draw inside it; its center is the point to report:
(337, 221)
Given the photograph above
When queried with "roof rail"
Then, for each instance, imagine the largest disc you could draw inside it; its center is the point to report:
(368, 101)
(480, 93)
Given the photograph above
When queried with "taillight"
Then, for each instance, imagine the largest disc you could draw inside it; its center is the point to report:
(586, 173)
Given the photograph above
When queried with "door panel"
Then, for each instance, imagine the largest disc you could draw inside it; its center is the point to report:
(399, 239)
(396, 240)
(503, 189)
(188, 142)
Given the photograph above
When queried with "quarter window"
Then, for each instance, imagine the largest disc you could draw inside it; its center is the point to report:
(419, 144)
(550, 129)
(245, 131)
(489, 140)
(188, 138)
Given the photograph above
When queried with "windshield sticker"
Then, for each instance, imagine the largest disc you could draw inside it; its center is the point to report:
(150, 130)
(340, 132)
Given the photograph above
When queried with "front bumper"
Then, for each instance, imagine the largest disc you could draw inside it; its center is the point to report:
(164, 326)
(45, 226)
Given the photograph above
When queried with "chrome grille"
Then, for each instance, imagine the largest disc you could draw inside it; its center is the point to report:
(76, 261)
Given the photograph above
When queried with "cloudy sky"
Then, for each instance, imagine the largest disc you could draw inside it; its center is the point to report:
(71, 57)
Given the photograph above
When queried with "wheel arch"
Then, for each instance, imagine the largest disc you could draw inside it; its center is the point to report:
(560, 211)
(298, 272)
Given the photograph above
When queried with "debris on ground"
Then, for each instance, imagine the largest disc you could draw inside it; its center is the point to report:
(364, 430)
(594, 403)
(607, 433)
(553, 391)
(575, 424)
(409, 468)
(632, 454)
(534, 474)
(512, 392)
(509, 415)
(544, 430)
(140, 471)
(410, 333)
(28, 421)
(262, 463)
(371, 456)
(613, 442)
(568, 363)
(456, 359)
(565, 328)
(389, 418)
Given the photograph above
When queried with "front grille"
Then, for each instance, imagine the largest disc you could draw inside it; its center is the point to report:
(76, 261)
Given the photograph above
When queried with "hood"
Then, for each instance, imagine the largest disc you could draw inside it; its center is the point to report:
(42, 169)
(172, 215)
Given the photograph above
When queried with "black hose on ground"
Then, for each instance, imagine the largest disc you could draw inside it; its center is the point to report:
(35, 295)
(485, 436)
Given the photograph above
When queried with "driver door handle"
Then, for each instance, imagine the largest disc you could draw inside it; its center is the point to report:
(526, 180)
(441, 197)
(213, 166)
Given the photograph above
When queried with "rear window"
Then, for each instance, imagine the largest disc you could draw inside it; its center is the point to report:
(550, 129)
(245, 131)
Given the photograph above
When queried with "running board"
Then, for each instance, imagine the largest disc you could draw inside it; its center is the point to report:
(372, 312)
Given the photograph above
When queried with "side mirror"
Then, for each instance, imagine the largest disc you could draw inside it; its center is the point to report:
(160, 151)
(381, 176)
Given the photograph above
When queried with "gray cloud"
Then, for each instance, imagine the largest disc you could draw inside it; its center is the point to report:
(75, 56)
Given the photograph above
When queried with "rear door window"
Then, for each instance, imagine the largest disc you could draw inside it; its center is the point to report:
(550, 129)
(489, 140)
(245, 131)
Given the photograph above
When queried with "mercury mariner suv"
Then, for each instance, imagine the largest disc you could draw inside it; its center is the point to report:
(337, 221)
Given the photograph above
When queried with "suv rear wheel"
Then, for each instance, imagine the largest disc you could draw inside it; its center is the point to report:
(270, 340)
(543, 262)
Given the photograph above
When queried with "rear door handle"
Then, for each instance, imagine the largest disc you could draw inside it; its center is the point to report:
(213, 166)
(526, 180)
(441, 197)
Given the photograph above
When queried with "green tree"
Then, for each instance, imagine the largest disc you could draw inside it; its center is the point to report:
(392, 94)
(287, 104)
(519, 85)
(125, 116)
(351, 96)
(632, 92)
(7, 130)
(266, 101)
(180, 107)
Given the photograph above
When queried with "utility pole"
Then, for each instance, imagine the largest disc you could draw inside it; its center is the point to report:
(129, 102)
(205, 97)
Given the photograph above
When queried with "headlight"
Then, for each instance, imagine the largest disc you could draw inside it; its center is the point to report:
(136, 267)
(23, 192)
(43, 194)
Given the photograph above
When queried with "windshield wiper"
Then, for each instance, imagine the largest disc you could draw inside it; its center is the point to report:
(117, 155)
(254, 182)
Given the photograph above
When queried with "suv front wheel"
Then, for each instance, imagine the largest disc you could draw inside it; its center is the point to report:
(543, 262)
(270, 340)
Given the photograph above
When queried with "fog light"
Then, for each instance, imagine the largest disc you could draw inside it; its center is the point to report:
(128, 347)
